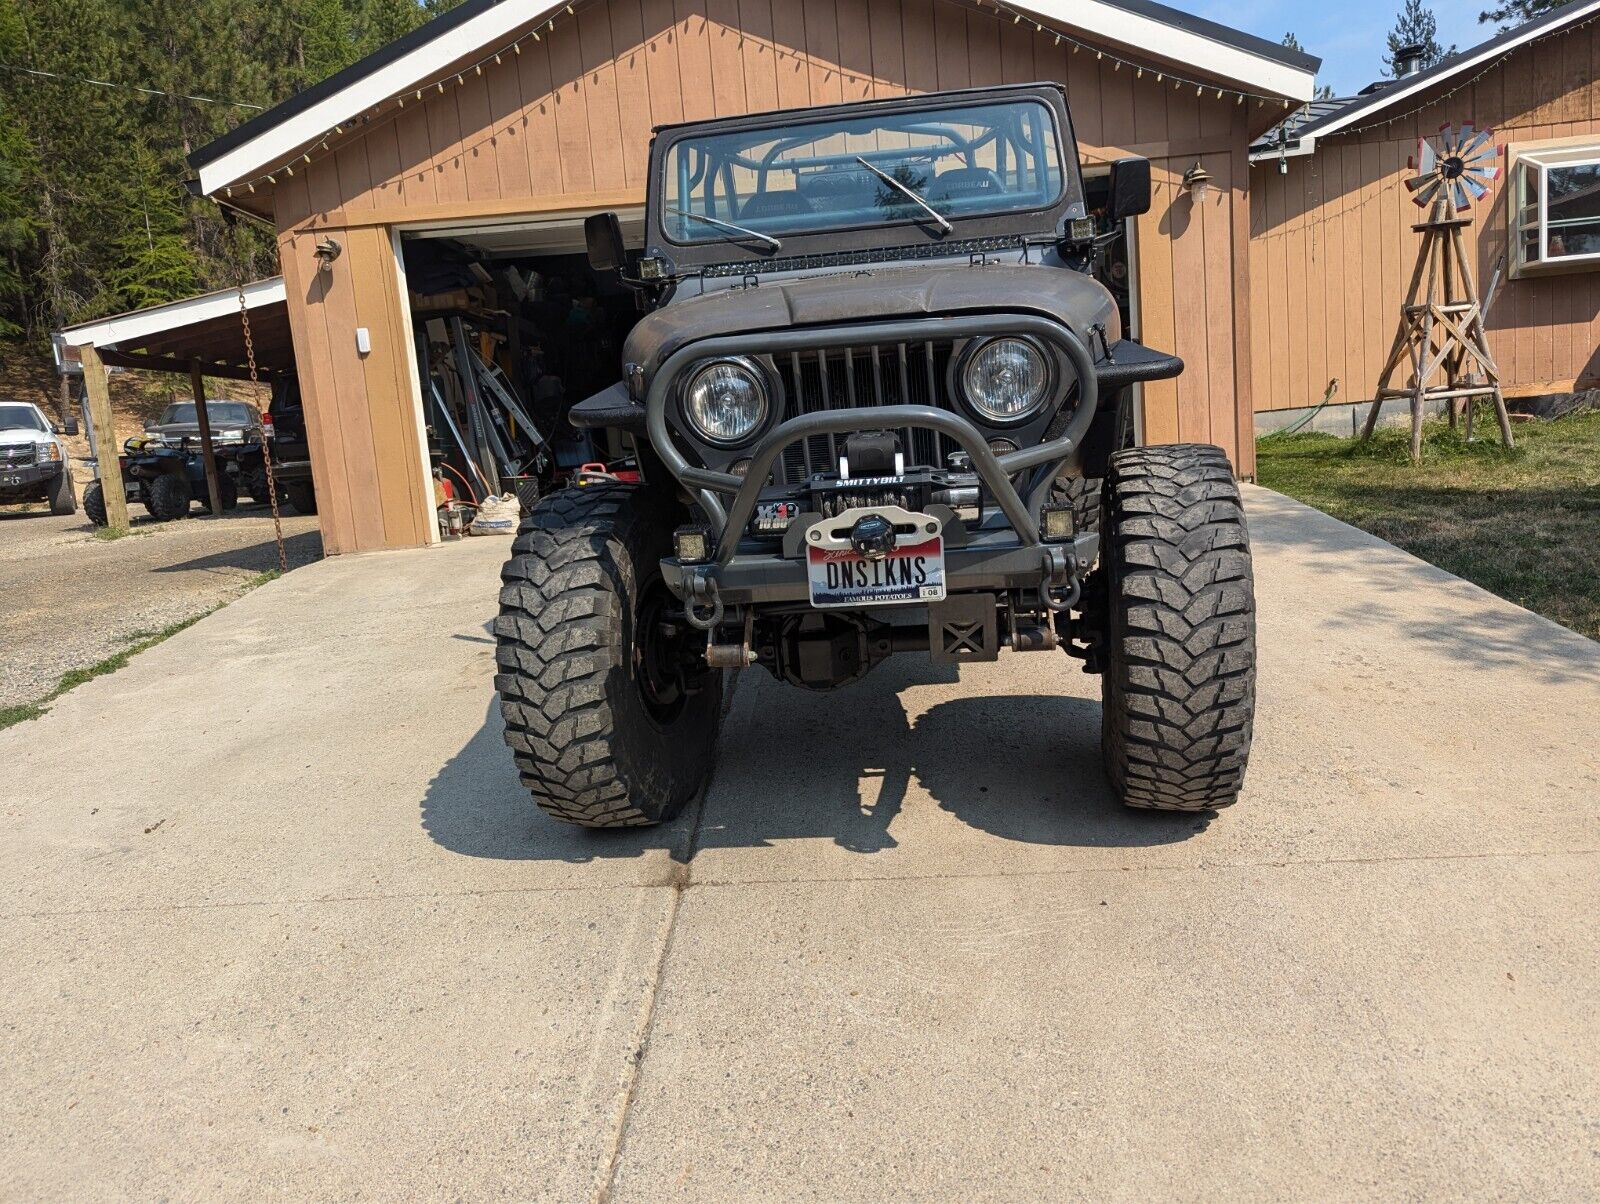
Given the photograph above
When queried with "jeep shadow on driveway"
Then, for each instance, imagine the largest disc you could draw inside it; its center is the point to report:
(881, 405)
(892, 769)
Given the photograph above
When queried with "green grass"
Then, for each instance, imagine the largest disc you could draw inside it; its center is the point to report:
(141, 640)
(1524, 523)
(71, 681)
(19, 714)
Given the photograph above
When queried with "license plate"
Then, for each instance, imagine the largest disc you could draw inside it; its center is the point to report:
(910, 573)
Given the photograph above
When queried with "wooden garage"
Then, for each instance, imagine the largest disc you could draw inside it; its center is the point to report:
(499, 121)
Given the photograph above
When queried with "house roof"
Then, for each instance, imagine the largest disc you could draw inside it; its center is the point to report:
(1287, 131)
(1373, 104)
(206, 327)
(478, 25)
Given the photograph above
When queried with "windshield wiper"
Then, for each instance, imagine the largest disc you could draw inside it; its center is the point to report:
(944, 223)
(717, 221)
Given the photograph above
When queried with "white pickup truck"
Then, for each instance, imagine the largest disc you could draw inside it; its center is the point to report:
(34, 465)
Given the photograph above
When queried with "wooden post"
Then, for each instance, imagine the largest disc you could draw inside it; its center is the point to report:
(197, 384)
(105, 439)
(64, 402)
(1456, 317)
(1452, 362)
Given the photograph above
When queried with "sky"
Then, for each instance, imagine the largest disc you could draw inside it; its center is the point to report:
(1348, 35)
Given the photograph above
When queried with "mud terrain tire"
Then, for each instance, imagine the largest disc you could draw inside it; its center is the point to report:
(94, 504)
(600, 735)
(1179, 686)
(1084, 495)
(168, 497)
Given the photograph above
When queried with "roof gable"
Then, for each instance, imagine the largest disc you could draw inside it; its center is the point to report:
(1302, 139)
(481, 27)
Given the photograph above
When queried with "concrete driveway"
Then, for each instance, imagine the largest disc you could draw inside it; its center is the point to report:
(279, 923)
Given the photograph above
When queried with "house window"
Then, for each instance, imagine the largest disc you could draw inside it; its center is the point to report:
(1555, 202)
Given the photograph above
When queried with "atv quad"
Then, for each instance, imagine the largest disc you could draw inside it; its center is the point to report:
(882, 405)
(166, 479)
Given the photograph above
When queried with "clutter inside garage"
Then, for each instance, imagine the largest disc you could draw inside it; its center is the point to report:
(511, 332)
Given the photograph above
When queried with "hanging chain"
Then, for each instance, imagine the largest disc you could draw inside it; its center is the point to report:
(266, 446)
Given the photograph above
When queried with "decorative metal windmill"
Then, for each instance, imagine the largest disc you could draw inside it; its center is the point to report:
(1457, 172)
(1441, 326)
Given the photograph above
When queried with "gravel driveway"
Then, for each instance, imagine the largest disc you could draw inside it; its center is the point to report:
(70, 600)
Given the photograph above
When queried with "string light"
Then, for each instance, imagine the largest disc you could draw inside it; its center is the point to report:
(1432, 101)
(1003, 9)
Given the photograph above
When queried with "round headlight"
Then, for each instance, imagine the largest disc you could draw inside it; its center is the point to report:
(726, 401)
(1006, 380)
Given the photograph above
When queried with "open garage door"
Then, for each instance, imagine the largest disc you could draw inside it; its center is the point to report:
(510, 327)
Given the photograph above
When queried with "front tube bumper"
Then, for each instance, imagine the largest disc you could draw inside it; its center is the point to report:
(1043, 460)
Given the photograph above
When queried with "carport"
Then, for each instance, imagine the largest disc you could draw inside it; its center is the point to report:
(215, 334)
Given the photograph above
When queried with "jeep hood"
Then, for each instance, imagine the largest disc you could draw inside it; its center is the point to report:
(866, 295)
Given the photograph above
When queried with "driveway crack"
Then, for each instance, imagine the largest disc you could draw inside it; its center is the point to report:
(680, 881)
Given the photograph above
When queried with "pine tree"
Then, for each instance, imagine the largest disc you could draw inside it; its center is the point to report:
(154, 259)
(1324, 91)
(1519, 12)
(1414, 25)
(94, 217)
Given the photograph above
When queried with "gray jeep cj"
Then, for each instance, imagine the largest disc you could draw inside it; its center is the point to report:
(880, 403)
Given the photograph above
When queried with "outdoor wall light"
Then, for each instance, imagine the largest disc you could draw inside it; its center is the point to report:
(1197, 181)
(327, 251)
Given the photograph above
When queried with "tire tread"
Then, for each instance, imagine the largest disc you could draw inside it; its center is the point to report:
(560, 644)
(1180, 683)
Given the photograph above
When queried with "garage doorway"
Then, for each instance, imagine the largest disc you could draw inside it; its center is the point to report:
(511, 327)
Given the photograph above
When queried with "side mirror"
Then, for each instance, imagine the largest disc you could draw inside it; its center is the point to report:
(602, 233)
(1130, 189)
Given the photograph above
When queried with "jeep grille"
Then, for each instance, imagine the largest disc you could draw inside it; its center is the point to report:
(888, 375)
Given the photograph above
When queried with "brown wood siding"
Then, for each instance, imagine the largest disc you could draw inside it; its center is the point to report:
(1332, 249)
(360, 422)
(566, 123)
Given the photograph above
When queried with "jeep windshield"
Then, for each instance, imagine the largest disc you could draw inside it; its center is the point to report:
(924, 167)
